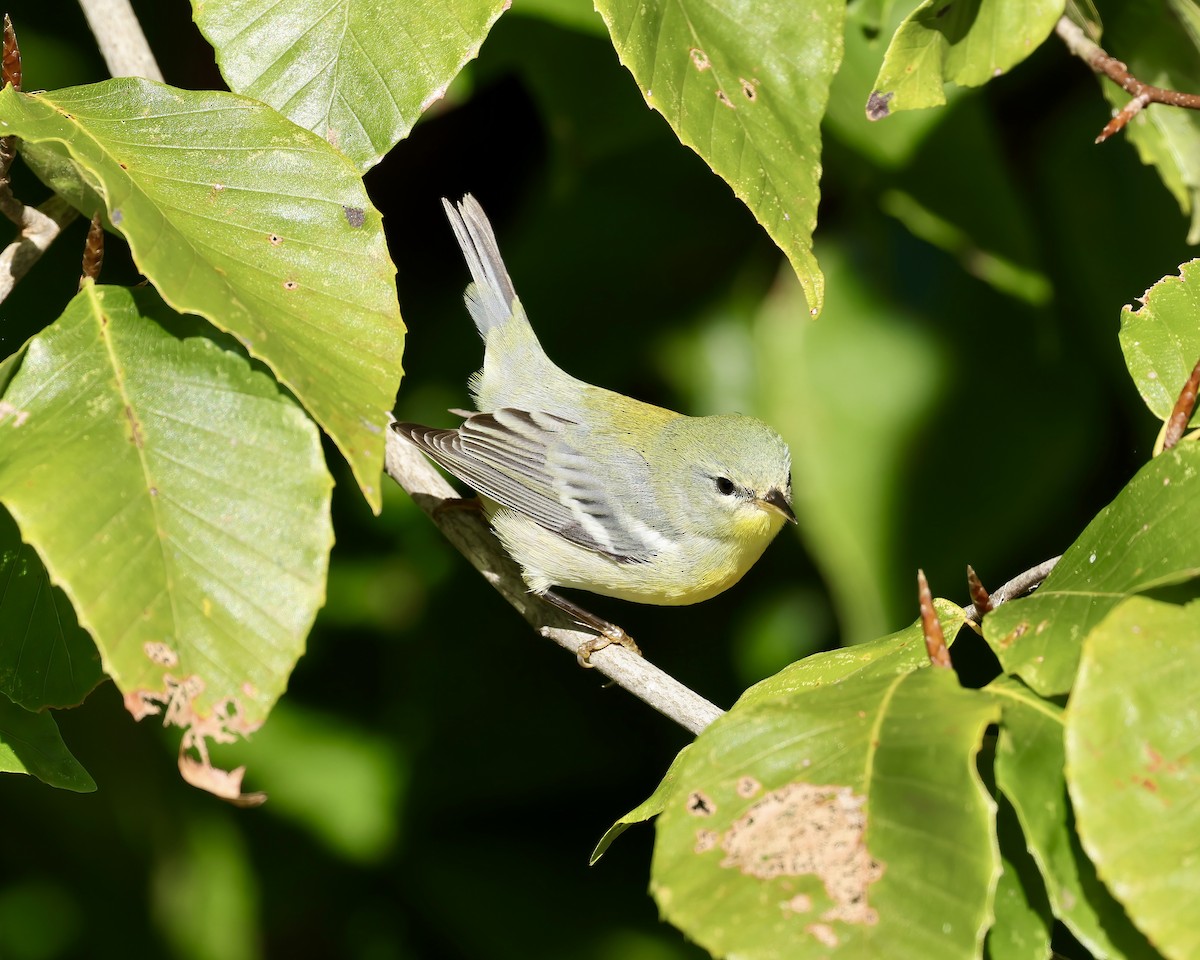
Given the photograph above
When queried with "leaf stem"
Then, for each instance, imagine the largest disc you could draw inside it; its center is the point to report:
(1142, 94)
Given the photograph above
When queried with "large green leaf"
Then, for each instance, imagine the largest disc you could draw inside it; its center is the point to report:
(179, 498)
(30, 743)
(46, 658)
(1145, 538)
(744, 84)
(968, 42)
(1158, 41)
(1133, 749)
(848, 816)
(236, 214)
(359, 72)
(1161, 339)
(1029, 771)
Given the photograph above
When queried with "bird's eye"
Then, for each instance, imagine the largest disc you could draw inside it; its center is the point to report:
(725, 486)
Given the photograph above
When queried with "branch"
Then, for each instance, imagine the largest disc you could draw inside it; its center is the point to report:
(1018, 586)
(39, 226)
(1143, 94)
(470, 534)
(120, 38)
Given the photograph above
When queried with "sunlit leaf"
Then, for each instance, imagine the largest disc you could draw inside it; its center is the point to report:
(845, 816)
(1133, 748)
(1161, 339)
(179, 498)
(968, 42)
(238, 215)
(745, 86)
(1145, 538)
(357, 73)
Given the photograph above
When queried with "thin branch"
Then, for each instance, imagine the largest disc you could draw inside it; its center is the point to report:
(468, 531)
(1181, 415)
(120, 38)
(1018, 586)
(39, 227)
(1143, 94)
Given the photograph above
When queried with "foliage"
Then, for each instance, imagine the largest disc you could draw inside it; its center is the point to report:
(172, 510)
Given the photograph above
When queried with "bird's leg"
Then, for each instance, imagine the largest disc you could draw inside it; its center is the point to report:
(608, 632)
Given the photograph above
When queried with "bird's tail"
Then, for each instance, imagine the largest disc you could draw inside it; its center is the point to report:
(490, 297)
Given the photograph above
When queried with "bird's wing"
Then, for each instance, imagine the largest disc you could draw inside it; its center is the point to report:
(527, 462)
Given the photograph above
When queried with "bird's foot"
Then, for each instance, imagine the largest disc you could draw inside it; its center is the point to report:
(613, 634)
(608, 633)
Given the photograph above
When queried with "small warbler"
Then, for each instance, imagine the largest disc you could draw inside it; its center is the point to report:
(592, 490)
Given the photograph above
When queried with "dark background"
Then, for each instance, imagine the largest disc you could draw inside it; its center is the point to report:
(439, 775)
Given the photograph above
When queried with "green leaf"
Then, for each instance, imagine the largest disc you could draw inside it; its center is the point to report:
(845, 816)
(359, 74)
(652, 806)
(968, 42)
(745, 86)
(236, 214)
(898, 653)
(1029, 771)
(30, 743)
(1142, 540)
(1161, 339)
(1133, 748)
(46, 658)
(181, 501)
(1157, 40)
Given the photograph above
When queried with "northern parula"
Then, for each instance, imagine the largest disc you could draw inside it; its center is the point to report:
(592, 490)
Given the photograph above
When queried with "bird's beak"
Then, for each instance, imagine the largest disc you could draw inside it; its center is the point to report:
(777, 500)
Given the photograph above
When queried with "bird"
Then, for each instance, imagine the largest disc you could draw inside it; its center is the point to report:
(588, 489)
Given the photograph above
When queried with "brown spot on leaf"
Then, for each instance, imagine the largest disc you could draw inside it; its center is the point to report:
(160, 653)
(699, 805)
(800, 903)
(355, 216)
(699, 59)
(809, 829)
(724, 98)
(1014, 635)
(275, 239)
(878, 105)
(749, 89)
(290, 285)
(705, 840)
(748, 787)
(8, 410)
(135, 427)
(225, 723)
(822, 932)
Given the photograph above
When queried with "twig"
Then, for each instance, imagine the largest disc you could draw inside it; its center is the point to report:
(120, 38)
(1184, 407)
(1018, 586)
(1143, 94)
(39, 226)
(468, 531)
